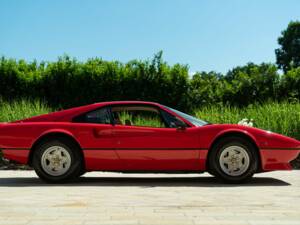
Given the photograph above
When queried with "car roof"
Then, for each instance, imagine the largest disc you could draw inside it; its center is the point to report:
(126, 102)
(68, 114)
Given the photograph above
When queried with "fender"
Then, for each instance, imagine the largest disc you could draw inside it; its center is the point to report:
(237, 131)
(46, 133)
(234, 130)
(54, 131)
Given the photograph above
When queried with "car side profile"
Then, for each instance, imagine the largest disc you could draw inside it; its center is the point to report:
(137, 136)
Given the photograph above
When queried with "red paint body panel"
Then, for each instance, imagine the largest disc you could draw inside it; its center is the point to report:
(20, 155)
(277, 159)
(123, 148)
(102, 160)
(145, 148)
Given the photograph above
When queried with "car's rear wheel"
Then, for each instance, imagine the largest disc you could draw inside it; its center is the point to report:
(57, 160)
(233, 159)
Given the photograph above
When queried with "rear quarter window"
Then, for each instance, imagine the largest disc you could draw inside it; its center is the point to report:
(100, 116)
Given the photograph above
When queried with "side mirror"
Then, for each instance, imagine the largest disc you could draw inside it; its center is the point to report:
(181, 128)
(180, 125)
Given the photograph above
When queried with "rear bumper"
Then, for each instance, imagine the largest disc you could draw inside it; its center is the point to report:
(278, 159)
(18, 155)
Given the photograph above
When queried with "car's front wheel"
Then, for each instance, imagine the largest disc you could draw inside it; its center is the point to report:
(57, 160)
(233, 159)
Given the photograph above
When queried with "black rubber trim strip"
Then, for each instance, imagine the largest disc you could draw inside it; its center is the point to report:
(287, 149)
(145, 149)
(269, 148)
(120, 149)
(14, 148)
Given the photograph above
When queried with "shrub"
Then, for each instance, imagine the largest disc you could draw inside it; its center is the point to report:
(68, 82)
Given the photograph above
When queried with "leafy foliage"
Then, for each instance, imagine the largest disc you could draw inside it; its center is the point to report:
(290, 85)
(265, 116)
(288, 55)
(252, 82)
(67, 83)
(20, 109)
(140, 120)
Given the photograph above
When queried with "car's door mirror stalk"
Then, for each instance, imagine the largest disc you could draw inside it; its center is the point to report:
(181, 128)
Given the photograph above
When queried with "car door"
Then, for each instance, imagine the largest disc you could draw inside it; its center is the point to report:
(95, 133)
(145, 147)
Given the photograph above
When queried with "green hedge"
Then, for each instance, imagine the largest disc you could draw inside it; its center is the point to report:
(68, 82)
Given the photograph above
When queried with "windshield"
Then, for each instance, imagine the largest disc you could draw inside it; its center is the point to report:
(195, 121)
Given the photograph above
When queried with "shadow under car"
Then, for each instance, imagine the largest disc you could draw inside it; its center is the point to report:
(145, 182)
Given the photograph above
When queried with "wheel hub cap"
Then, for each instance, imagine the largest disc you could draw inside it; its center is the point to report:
(234, 160)
(56, 161)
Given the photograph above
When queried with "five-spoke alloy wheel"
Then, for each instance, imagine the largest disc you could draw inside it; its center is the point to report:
(233, 159)
(57, 160)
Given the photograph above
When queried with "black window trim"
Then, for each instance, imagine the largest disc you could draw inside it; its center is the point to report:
(112, 122)
(99, 108)
(142, 104)
(166, 112)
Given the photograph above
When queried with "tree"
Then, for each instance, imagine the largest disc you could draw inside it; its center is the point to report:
(251, 83)
(290, 85)
(205, 89)
(288, 55)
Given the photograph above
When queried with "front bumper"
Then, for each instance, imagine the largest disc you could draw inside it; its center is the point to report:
(296, 162)
(278, 159)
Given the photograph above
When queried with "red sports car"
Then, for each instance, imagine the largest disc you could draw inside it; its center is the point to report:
(135, 136)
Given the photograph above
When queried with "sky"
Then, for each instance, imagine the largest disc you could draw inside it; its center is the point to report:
(207, 35)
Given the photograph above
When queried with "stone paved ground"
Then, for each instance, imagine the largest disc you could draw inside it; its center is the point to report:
(112, 198)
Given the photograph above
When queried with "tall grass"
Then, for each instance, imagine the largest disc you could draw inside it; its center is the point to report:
(283, 118)
(16, 110)
(140, 121)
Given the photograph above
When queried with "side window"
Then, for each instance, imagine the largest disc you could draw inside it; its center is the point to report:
(100, 116)
(172, 121)
(144, 116)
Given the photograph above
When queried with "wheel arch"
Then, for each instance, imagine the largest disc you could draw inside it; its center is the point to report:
(236, 133)
(50, 135)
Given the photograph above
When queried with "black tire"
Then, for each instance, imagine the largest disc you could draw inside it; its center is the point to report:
(73, 150)
(81, 173)
(210, 172)
(215, 164)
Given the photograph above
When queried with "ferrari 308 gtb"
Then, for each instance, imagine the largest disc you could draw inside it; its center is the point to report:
(135, 136)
